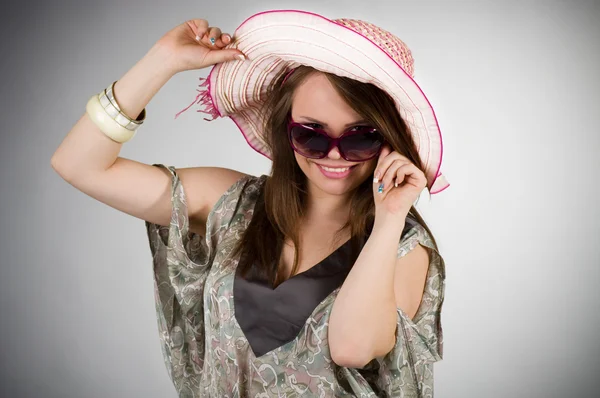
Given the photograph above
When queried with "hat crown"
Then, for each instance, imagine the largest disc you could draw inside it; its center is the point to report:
(390, 44)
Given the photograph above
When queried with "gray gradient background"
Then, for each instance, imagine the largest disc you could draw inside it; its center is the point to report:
(515, 87)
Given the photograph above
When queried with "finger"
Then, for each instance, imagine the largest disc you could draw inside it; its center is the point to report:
(412, 175)
(224, 55)
(391, 174)
(212, 36)
(198, 26)
(379, 170)
(386, 150)
(402, 173)
(225, 40)
(415, 176)
(384, 164)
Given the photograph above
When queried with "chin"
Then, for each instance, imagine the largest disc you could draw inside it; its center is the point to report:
(335, 183)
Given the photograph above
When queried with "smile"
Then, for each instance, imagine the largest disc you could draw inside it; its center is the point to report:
(335, 172)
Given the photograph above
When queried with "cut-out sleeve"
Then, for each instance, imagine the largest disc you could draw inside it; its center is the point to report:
(181, 262)
(407, 370)
(419, 341)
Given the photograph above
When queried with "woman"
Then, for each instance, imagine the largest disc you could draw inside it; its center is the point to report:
(320, 279)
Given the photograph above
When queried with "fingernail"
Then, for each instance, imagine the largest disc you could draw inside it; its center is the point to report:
(240, 57)
(396, 184)
(197, 38)
(376, 178)
(380, 190)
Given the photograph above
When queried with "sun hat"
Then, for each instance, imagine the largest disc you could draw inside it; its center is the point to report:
(277, 41)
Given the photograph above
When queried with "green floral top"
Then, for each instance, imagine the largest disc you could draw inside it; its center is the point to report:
(205, 350)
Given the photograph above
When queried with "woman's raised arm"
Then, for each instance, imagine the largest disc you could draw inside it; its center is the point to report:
(88, 159)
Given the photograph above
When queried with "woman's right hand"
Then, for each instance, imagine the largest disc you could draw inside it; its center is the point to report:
(187, 53)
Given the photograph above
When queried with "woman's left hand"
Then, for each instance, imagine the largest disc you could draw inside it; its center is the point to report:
(396, 200)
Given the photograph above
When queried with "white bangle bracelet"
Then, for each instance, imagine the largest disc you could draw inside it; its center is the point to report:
(110, 104)
(103, 120)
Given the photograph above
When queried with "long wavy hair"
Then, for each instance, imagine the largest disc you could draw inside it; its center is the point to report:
(281, 204)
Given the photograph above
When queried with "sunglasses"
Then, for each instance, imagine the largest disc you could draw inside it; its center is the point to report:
(358, 144)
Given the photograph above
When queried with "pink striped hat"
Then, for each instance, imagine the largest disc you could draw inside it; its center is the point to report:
(278, 41)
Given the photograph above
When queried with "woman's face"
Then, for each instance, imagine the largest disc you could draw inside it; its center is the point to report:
(316, 99)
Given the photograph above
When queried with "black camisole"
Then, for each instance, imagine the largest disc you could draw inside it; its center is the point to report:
(271, 317)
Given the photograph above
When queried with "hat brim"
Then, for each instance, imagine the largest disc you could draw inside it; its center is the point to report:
(278, 40)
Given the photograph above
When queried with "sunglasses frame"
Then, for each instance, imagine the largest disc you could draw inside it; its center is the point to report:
(333, 142)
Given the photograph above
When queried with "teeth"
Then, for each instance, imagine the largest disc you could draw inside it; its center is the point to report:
(335, 170)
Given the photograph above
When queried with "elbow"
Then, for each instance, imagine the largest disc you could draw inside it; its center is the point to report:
(62, 172)
(56, 167)
(356, 357)
(350, 356)
(358, 353)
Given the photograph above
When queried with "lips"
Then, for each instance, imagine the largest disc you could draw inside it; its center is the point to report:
(335, 166)
(335, 172)
(335, 169)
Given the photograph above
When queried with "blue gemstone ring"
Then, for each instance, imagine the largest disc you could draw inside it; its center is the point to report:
(212, 41)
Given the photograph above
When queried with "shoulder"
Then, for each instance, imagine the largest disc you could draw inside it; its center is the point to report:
(209, 188)
(241, 193)
(413, 234)
(200, 189)
(203, 186)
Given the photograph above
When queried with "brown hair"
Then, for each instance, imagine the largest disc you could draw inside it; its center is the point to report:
(281, 204)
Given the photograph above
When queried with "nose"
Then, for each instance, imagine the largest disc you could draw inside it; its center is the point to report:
(334, 153)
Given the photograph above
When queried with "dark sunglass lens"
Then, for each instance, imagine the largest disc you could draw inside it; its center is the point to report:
(308, 142)
(363, 146)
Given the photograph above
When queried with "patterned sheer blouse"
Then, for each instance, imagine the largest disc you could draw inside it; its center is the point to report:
(224, 336)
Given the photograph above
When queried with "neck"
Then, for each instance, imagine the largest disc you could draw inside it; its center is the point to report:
(322, 206)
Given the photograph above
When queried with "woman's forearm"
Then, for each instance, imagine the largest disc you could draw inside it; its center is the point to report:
(363, 317)
(85, 148)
